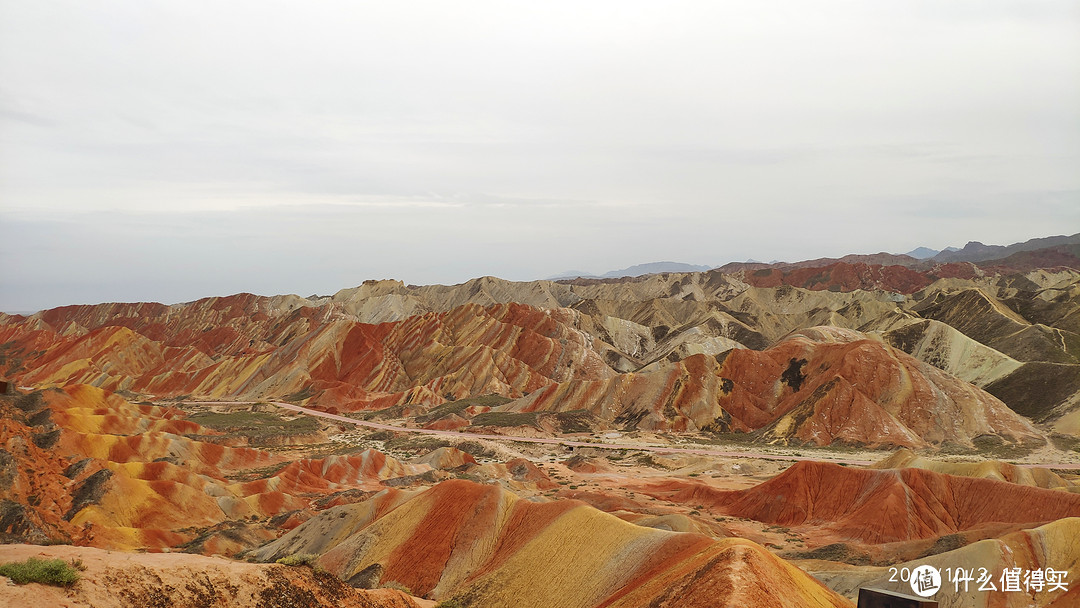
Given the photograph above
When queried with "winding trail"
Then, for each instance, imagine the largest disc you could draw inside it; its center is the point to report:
(587, 444)
(543, 440)
(565, 442)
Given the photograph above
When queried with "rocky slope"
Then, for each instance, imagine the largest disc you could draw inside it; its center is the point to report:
(117, 580)
(878, 506)
(987, 469)
(640, 353)
(1054, 545)
(484, 546)
(83, 465)
(820, 386)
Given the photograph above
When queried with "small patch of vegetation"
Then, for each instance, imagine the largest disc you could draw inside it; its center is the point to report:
(476, 448)
(836, 552)
(380, 436)
(46, 571)
(993, 446)
(576, 421)
(721, 438)
(415, 444)
(300, 395)
(505, 419)
(256, 426)
(1065, 442)
(389, 413)
(647, 459)
(332, 448)
(298, 559)
(451, 603)
(949, 542)
(456, 407)
(398, 586)
(257, 473)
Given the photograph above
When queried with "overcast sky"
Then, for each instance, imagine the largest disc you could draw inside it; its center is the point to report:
(168, 151)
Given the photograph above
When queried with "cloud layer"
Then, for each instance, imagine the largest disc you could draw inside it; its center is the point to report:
(167, 151)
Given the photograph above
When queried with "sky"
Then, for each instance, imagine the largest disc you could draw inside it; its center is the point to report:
(167, 151)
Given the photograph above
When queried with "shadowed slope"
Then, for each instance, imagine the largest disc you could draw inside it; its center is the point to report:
(948, 349)
(984, 318)
(1042, 382)
(33, 486)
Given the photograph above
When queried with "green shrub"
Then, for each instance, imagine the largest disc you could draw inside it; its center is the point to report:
(456, 407)
(398, 586)
(505, 419)
(298, 559)
(451, 603)
(256, 426)
(46, 571)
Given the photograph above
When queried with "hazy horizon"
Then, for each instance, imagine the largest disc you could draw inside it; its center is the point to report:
(154, 151)
(554, 276)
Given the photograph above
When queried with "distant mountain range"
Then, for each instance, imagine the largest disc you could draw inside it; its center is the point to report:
(1053, 250)
(975, 251)
(925, 253)
(633, 271)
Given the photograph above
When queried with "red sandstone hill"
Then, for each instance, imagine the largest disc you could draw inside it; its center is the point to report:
(879, 506)
(650, 338)
(506, 349)
(820, 386)
(842, 276)
(481, 545)
(1055, 546)
(83, 465)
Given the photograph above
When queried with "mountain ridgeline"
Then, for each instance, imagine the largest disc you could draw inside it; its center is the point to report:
(845, 352)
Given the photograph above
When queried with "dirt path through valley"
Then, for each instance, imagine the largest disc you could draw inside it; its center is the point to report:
(586, 444)
(549, 441)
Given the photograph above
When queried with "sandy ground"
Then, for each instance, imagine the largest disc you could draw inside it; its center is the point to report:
(179, 580)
